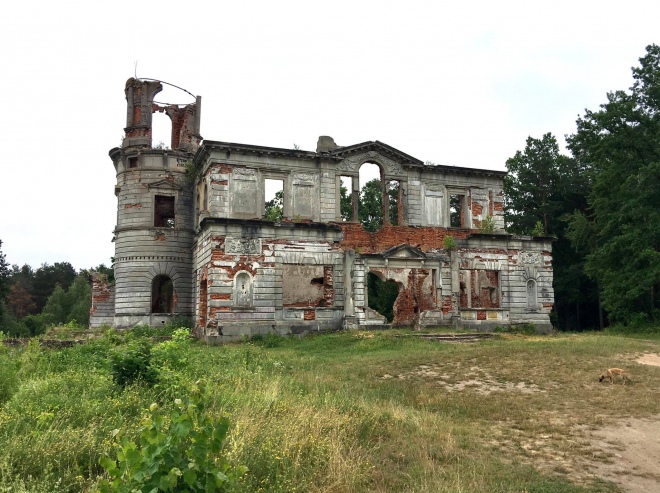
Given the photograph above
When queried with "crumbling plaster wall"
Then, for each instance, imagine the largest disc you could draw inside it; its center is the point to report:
(430, 294)
(143, 250)
(267, 252)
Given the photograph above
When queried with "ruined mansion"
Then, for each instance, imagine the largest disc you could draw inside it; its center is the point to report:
(193, 239)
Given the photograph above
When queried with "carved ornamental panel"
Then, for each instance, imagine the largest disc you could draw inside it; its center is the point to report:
(243, 246)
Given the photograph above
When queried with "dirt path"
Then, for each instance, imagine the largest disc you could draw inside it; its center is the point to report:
(635, 447)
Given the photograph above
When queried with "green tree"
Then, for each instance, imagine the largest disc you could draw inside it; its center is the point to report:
(382, 295)
(345, 203)
(370, 205)
(620, 142)
(274, 207)
(542, 189)
(4, 280)
(47, 277)
(71, 305)
(539, 183)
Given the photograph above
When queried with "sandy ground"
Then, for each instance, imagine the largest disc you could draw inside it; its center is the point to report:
(626, 452)
(635, 446)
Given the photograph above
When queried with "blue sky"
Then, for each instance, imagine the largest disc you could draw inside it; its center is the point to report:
(454, 83)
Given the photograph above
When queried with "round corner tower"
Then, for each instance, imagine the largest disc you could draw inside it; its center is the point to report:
(155, 225)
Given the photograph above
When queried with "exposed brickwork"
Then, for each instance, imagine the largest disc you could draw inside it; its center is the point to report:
(222, 168)
(425, 238)
(328, 286)
(477, 209)
(412, 299)
(498, 206)
(132, 206)
(309, 315)
(220, 296)
(481, 315)
(447, 305)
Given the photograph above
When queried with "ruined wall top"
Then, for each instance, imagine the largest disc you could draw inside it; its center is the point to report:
(140, 107)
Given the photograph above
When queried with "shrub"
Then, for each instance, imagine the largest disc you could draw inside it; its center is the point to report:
(8, 369)
(132, 363)
(449, 243)
(487, 225)
(173, 353)
(182, 452)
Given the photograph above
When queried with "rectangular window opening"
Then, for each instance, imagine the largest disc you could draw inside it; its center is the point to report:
(346, 198)
(274, 203)
(456, 211)
(132, 162)
(394, 207)
(164, 212)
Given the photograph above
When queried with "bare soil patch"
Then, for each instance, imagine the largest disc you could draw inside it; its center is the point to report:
(624, 451)
(633, 446)
(474, 378)
(649, 359)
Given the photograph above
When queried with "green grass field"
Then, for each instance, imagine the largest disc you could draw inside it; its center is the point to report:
(344, 412)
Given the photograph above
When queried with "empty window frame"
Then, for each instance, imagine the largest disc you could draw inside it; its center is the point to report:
(274, 205)
(164, 211)
(346, 210)
(457, 210)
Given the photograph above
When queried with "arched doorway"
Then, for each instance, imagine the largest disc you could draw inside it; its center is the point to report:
(162, 295)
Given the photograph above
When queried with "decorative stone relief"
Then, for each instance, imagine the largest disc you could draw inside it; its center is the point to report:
(304, 179)
(245, 174)
(349, 164)
(479, 194)
(530, 257)
(243, 246)
(434, 190)
(352, 163)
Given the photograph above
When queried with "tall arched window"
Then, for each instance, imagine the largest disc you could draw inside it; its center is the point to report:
(532, 302)
(162, 295)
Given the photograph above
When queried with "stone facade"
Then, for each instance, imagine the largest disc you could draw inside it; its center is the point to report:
(191, 237)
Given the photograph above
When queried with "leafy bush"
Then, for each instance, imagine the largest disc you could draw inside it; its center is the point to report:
(182, 452)
(132, 363)
(8, 370)
(173, 353)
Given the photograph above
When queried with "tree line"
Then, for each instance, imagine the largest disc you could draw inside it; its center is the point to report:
(601, 203)
(33, 299)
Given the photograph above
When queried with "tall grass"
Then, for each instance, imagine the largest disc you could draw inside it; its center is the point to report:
(346, 412)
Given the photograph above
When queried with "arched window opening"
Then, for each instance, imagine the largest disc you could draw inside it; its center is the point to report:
(382, 295)
(370, 206)
(532, 301)
(162, 295)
